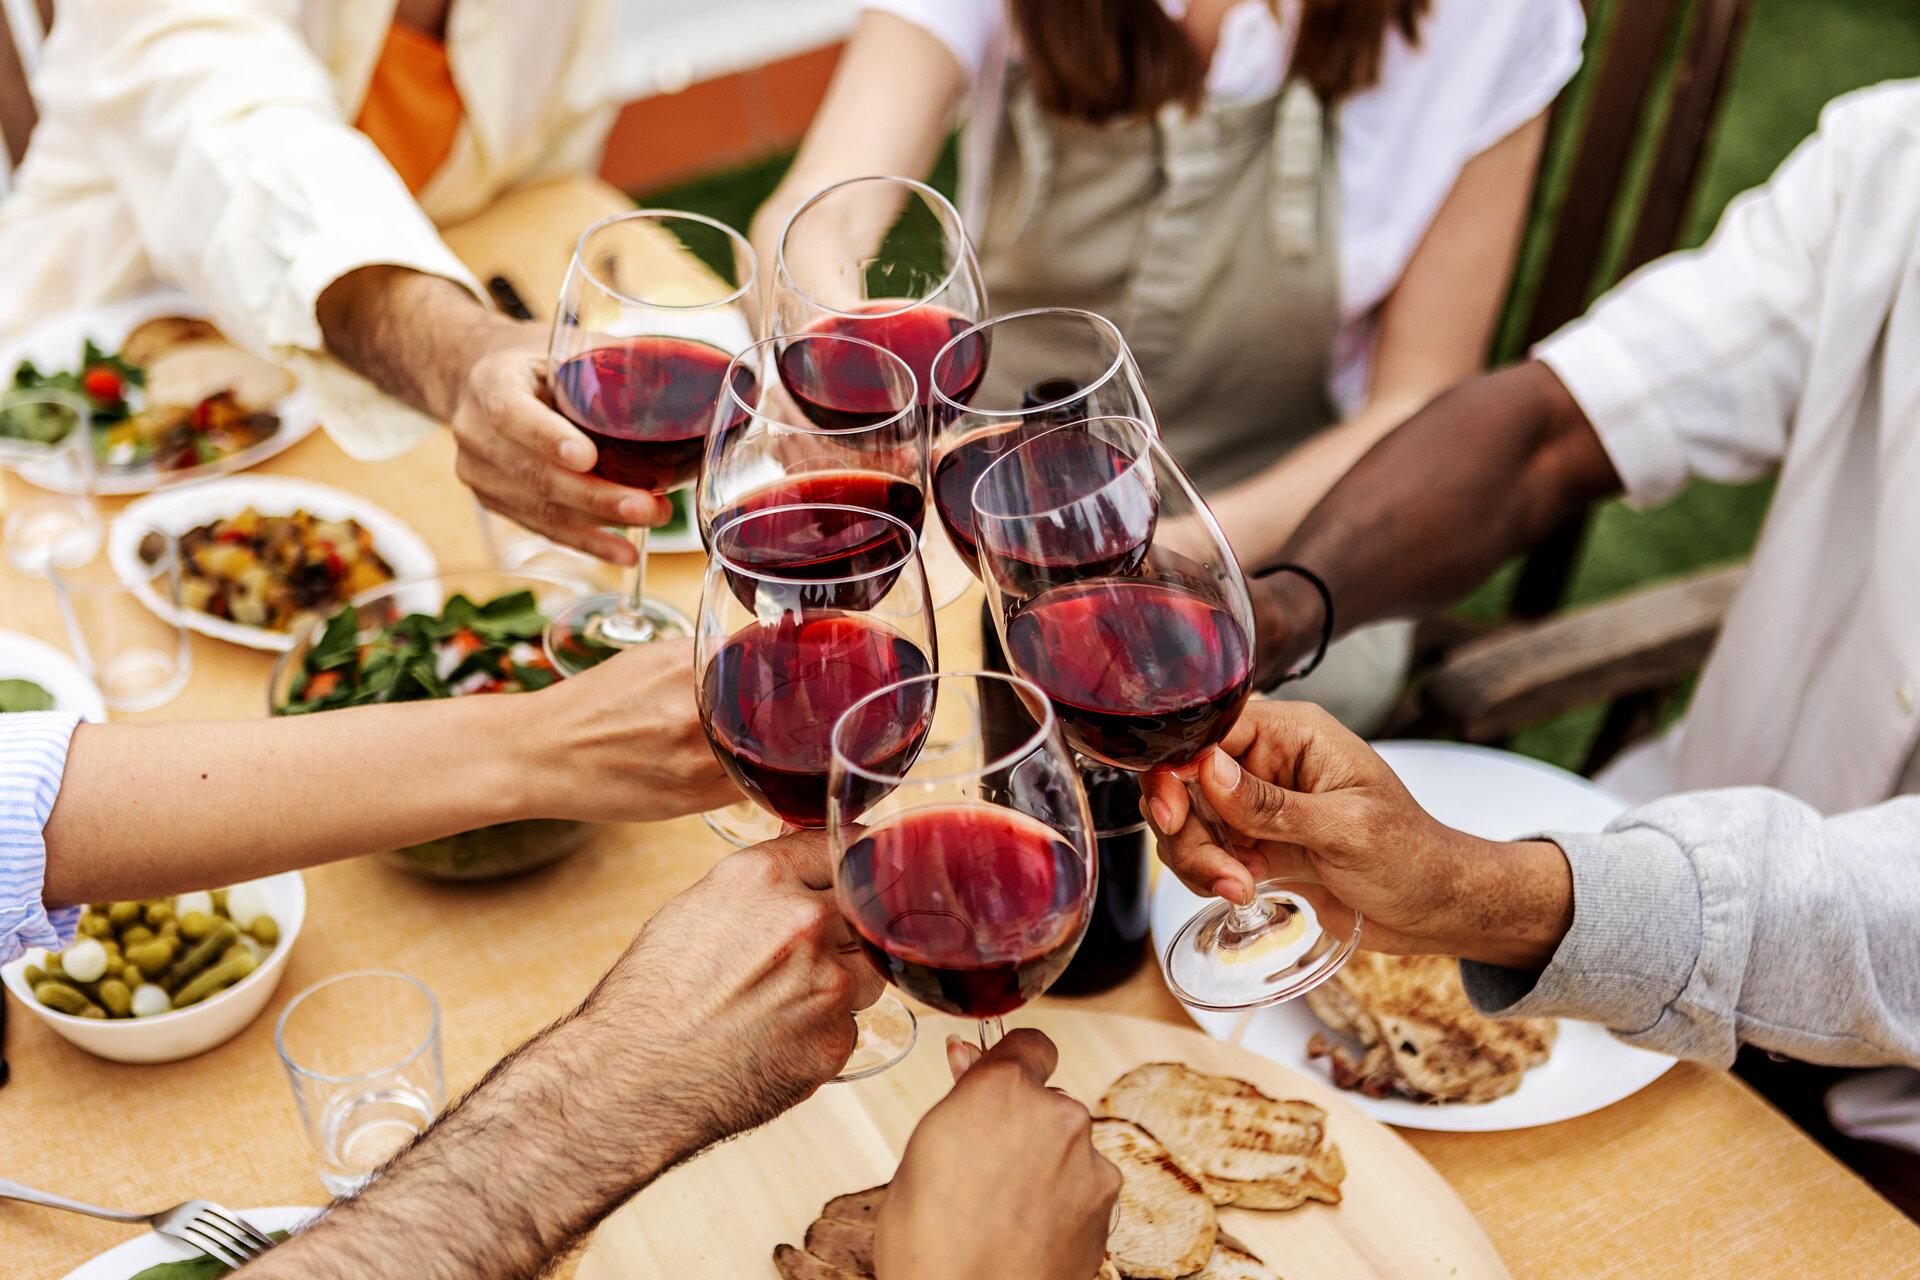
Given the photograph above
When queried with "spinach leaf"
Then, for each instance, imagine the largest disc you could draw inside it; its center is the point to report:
(23, 695)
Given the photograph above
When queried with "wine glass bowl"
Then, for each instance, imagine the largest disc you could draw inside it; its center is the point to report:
(1050, 366)
(783, 653)
(885, 259)
(1113, 591)
(653, 308)
(969, 880)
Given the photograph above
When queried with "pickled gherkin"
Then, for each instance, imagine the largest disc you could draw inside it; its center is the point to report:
(139, 958)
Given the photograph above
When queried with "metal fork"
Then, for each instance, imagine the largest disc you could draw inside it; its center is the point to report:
(221, 1234)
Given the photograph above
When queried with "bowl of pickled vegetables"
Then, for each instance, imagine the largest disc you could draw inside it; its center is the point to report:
(161, 979)
(460, 634)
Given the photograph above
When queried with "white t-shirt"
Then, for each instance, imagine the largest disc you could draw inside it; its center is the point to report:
(1480, 70)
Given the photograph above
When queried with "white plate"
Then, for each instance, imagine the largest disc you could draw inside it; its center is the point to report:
(24, 658)
(56, 343)
(152, 1248)
(178, 509)
(1499, 796)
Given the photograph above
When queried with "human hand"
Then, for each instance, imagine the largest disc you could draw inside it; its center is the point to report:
(1000, 1178)
(525, 461)
(622, 741)
(737, 999)
(1307, 799)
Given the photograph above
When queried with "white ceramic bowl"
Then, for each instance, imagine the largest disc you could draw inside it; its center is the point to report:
(168, 1037)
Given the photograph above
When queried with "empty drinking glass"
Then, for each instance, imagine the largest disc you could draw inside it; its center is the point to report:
(126, 623)
(45, 436)
(362, 1052)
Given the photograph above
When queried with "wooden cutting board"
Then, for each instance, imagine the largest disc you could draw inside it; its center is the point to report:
(722, 1214)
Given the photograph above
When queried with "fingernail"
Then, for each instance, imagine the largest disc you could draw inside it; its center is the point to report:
(1256, 864)
(1225, 771)
(577, 454)
(956, 1054)
(636, 510)
(1232, 890)
(1160, 816)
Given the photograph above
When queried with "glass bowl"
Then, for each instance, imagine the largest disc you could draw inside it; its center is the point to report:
(485, 853)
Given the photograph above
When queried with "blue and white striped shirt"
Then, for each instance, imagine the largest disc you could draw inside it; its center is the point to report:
(33, 757)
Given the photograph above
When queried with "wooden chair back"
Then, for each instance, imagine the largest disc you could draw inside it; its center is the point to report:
(1631, 104)
(23, 25)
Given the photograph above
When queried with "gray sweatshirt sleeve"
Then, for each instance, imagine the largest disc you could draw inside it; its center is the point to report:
(1718, 917)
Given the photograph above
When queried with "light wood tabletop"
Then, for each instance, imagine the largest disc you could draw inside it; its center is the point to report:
(1695, 1177)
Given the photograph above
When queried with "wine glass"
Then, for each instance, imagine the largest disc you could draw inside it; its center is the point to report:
(969, 881)
(46, 435)
(654, 306)
(784, 648)
(867, 450)
(1050, 365)
(1113, 589)
(886, 259)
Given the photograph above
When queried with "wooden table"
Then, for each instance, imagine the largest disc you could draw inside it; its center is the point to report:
(1695, 1177)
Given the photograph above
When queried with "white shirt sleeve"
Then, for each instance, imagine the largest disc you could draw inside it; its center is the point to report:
(966, 27)
(1694, 365)
(33, 757)
(249, 187)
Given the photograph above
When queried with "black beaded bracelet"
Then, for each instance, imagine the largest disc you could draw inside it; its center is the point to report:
(1326, 616)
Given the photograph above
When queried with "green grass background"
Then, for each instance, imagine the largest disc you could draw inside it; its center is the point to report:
(1797, 55)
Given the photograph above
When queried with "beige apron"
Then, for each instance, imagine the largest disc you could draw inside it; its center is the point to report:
(1211, 238)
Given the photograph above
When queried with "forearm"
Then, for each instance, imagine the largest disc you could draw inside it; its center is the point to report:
(1715, 918)
(413, 335)
(539, 1152)
(150, 809)
(1261, 513)
(1478, 476)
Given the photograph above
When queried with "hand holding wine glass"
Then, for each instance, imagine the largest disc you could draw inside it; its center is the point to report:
(1020, 1156)
(642, 345)
(1114, 591)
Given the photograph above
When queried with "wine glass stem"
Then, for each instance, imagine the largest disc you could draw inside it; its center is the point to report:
(1244, 918)
(633, 615)
(991, 1029)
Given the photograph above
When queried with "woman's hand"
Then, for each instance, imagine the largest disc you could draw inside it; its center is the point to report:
(623, 742)
(1305, 798)
(1000, 1179)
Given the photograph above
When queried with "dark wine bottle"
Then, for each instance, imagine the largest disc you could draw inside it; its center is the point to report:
(1116, 941)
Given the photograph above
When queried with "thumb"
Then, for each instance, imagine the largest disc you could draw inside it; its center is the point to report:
(961, 1056)
(1030, 1052)
(1257, 809)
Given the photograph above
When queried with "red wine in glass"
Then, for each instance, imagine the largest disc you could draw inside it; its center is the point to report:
(1141, 674)
(956, 469)
(843, 386)
(819, 544)
(772, 692)
(647, 404)
(1058, 468)
(915, 335)
(971, 908)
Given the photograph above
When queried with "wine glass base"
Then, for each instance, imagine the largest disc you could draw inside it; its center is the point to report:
(594, 628)
(887, 1033)
(1210, 966)
(743, 823)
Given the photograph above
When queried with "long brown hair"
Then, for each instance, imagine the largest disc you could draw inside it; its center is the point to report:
(1099, 59)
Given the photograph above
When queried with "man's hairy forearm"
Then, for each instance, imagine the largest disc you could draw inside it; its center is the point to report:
(413, 335)
(515, 1175)
(1478, 476)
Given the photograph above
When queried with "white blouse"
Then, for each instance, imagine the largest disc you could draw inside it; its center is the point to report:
(1480, 69)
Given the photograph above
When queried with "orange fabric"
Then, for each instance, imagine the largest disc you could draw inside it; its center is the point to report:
(412, 110)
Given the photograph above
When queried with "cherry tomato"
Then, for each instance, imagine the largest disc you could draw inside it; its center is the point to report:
(103, 384)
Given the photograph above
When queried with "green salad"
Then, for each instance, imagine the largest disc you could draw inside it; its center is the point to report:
(101, 383)
(23, 695)
(201, 1268)
(466, 648)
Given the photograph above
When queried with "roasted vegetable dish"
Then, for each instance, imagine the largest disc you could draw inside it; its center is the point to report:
(265, 571)
(137, 959)
(177, 396)
(465, 648)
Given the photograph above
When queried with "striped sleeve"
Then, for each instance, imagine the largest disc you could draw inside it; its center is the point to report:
(33, 756)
